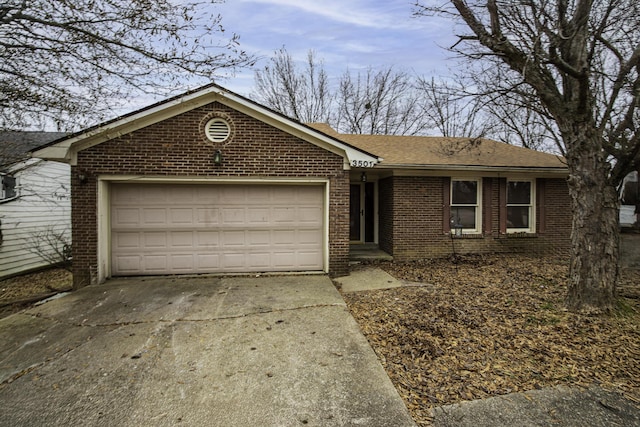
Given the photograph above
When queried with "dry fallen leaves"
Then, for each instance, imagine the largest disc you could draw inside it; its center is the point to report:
(480, 326)
(28, 286)
(40, 282)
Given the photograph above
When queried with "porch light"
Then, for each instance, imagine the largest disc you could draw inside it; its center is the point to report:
(217, 158)
(363, 177)
(82, 177)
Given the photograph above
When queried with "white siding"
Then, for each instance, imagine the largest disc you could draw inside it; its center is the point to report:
(628, 212)
(43, 203)
(627, 215)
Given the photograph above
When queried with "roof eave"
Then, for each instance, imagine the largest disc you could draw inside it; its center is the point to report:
(56, 153)
(562, 171)
(66, 150)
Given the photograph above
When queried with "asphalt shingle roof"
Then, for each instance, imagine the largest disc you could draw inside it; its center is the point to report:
(425, 151)
(15, 146)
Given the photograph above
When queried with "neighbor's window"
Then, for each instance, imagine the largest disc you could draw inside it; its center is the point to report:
(520, 206)
(8, 187)
(465, 204)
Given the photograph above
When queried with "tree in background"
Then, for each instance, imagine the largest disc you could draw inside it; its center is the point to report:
(379, 102)
(578, 63)
(393, 102)
(516, 121)
(450, 109)
(486, 102)
(373, 102)
(71, 61)
(304, 94)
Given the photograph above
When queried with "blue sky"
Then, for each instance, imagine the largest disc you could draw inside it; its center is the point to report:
(345, 34)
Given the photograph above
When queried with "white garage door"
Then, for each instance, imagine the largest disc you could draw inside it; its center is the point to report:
(180, 229)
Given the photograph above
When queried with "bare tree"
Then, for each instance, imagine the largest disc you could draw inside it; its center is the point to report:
(517, 123)
(68, 60)
(303, 94)
(515, 111)
(379, 102)
(374, 102)
(581, 60)
(452, 111)
(468, 105)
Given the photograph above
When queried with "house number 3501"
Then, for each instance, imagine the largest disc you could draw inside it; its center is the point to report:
(362, 163)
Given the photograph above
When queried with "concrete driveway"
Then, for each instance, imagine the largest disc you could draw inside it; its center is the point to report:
(243, 351)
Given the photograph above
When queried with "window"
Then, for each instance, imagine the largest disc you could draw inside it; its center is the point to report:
(8, 187)
(520, 206)
(465, 204)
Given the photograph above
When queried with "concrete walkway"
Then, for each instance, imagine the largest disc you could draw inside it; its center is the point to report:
(367, 279)
(555, 406)
(268, 351)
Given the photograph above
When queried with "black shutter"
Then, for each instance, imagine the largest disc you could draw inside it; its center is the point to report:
(446, 205)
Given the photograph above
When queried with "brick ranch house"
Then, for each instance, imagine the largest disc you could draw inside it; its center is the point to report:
(212, 182)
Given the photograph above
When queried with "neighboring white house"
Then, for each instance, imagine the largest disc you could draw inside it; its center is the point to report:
(630, 198)
(35, 204)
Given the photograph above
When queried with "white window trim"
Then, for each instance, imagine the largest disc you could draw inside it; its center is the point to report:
(478, 205)
(532, 206)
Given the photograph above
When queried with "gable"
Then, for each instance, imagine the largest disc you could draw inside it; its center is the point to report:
(178, 146)
(66, 150)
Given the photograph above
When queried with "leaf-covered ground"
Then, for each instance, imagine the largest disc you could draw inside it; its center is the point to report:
(475, 327)
(31, 285)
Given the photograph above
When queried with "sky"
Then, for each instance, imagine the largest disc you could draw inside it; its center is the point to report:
(345, 34)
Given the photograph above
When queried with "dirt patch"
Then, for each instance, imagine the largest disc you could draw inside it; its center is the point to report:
(493, 325)
(16, 292)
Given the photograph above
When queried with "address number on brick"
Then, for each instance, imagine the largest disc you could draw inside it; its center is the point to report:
(362, 163)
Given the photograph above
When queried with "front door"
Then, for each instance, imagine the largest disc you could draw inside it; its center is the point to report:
(362, 212)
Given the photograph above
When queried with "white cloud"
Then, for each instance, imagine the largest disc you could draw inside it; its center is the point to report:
(384, 14)
(344, 34)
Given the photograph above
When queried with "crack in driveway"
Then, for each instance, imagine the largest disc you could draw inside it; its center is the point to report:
(84, 323)
(163, 324)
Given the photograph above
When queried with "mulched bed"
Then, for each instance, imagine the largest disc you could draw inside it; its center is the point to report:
(473, 327)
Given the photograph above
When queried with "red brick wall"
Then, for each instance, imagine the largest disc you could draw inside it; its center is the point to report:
(411, 221)
(557, 213)
(177, 147)
(84, 231)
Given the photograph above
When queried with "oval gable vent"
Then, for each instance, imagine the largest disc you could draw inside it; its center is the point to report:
(217, 130)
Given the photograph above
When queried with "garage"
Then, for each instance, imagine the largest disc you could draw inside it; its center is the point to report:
(216, 228)
(207, 181)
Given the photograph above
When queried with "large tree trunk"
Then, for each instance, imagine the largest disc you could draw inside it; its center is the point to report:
(595, 235)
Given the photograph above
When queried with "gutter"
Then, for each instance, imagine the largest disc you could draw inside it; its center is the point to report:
(476, 168)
